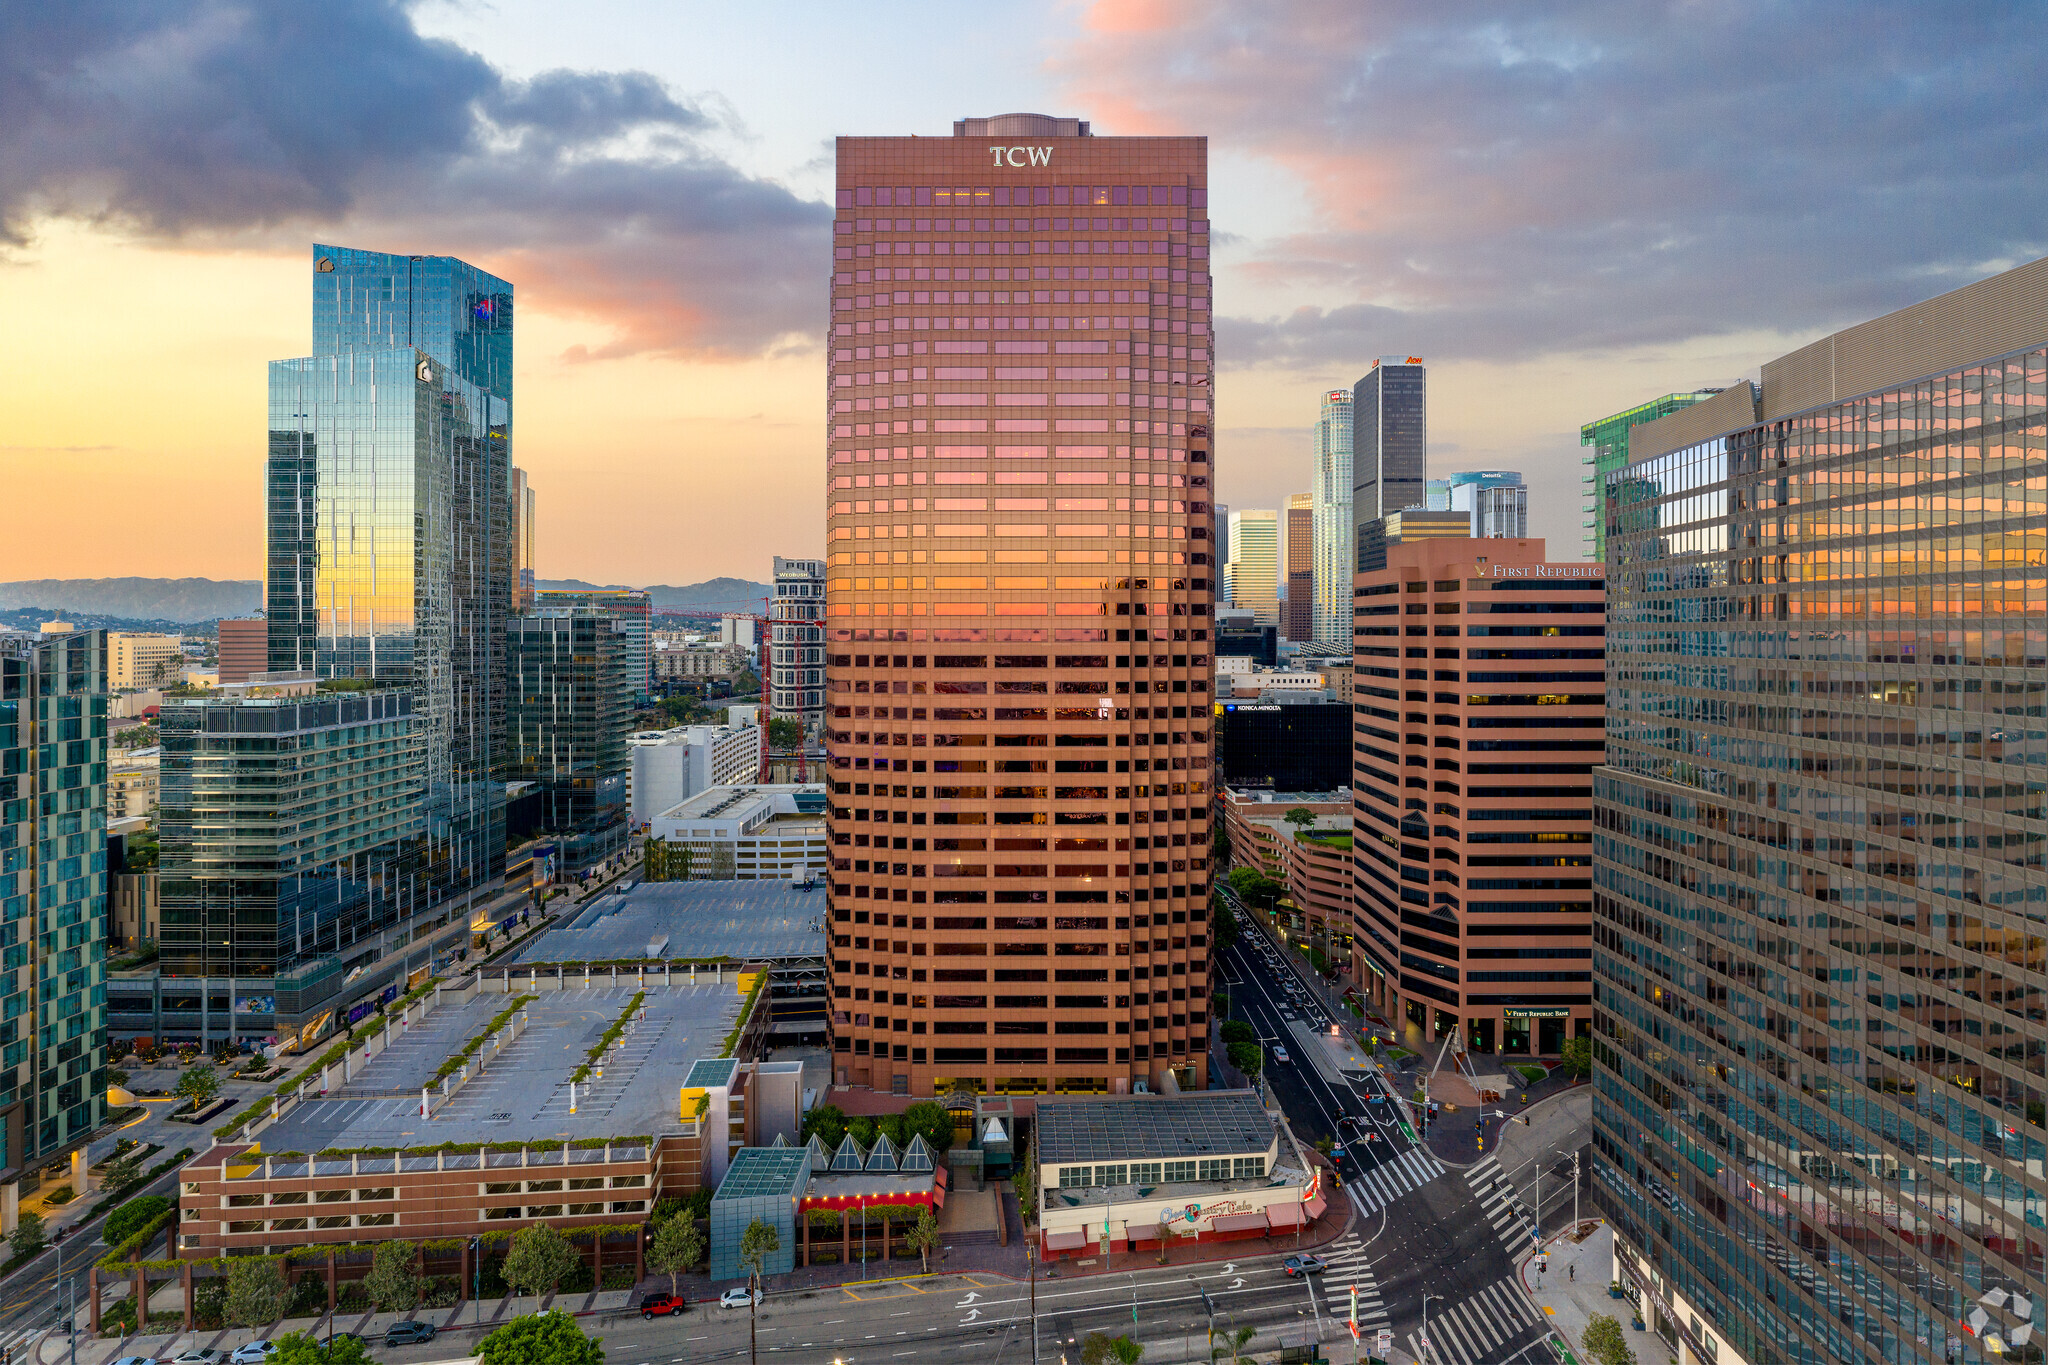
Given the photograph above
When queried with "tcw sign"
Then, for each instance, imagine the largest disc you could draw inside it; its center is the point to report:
(1021, 156)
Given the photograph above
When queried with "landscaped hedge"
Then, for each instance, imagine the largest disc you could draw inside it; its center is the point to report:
(611, 1035)
(470, 1048)
(746, 1012)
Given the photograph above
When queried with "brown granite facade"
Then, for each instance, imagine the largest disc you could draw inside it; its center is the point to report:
(1020, 587)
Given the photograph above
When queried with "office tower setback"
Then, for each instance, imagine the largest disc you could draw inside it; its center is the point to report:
(1252, 573)
(1299, 552)
(1335, 535)
(522, 541)
(1406, 527)
(632, 610)
(1495, 499)
(53, 894)
(1818, 878)
(1020, 594)
(294, 835)
(795, 671)
(1389, 441)
(1473, 782)
(567, 713)
(244, 649)
(390, 537)
(1609, 439)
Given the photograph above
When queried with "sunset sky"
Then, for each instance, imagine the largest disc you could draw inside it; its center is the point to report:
(1566, 208)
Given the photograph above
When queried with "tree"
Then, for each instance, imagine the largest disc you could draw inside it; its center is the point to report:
(132, 1217)
(304, 1348)
(922, 1237)
(551, 1338)
(1604, 1341)
(199, 1084)
(678, 1245)
(932, 1122)
(1246, 1057)
(1223, 925)
(29, 1235)
(1238, 1031)
(119, 1173)
(757, 1243)
(1234, 1344)
(394, 1283)
(258, 1292)
(784, 733)
(1098, 1348)
(1577, 1056)
(538, 1260)
(1302, 818)
(826, 1123)
(1025, 1180)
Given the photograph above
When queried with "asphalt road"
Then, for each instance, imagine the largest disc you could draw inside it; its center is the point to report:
(1423, 1229)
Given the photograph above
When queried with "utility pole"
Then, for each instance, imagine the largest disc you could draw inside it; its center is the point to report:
(1575, 1191)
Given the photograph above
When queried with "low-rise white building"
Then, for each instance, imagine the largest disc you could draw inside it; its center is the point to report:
(132, 781)
(750, 831)
(670, 766)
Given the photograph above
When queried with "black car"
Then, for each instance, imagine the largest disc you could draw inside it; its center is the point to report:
(408, 1333)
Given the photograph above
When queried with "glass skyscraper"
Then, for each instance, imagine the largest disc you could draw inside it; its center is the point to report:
(1821, 1011)
(1609, 439)
(1389, 443)
(569, 707)
(1330, 497)
(390, 519)
(53, 893)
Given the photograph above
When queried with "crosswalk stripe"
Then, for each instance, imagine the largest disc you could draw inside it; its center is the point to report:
(1456, 1332)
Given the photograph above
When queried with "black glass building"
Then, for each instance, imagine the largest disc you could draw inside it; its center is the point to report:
(568, 711)
(1821, 900)
(1302, 746)
(1389, 441)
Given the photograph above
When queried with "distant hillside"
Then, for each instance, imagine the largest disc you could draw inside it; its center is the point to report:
(717, 594)
(31, 619)
(137, 599)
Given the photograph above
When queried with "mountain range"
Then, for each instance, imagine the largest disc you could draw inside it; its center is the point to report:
(207, 599)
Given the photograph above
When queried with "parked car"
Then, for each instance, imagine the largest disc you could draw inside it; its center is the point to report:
(735, 1298)
(134, 1360)
(662, 1304)
(199, 1356)
(1304, 1265)
(255, 1353)
(408, 1333)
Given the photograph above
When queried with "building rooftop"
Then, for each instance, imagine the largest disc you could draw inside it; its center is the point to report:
(765, 1172)
(752, 802)
(523, 1094)
(1262, 797)
(704, 920)
(1152, 1127)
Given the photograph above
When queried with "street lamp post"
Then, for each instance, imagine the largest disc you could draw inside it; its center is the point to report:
(1031, 1273)
(1425, 1324)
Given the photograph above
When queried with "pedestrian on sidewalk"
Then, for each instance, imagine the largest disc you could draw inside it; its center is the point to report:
(1571, 1272)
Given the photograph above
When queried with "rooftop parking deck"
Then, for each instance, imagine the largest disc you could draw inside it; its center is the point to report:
(696, 920)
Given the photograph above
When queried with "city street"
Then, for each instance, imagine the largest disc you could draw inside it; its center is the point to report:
(1424, 1228)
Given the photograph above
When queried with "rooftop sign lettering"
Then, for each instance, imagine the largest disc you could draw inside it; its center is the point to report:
(1021, 156)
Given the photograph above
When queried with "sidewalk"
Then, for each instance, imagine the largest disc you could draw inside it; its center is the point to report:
(1574, 1289)
(1452, 1139)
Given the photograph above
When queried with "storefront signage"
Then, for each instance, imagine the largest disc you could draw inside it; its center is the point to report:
(1020, 157)
(1561, 1012)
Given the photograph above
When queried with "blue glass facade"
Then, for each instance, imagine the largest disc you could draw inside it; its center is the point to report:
(390, 520)
(1821, 860)
(53, 893)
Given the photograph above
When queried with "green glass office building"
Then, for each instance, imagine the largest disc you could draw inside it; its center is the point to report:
(1608, 438)
(1821, 849)
(53, 894)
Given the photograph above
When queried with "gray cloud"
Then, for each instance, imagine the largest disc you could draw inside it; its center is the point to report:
(1504, 181)
(226, 119)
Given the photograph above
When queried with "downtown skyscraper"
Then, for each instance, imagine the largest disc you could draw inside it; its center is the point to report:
(1019, 606)
(1389, 443)
(1819, 888)
(391, 528)
(1330, 498)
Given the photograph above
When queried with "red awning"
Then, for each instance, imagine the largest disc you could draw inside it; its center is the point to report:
(1239, 1222)
(1314, 1208)
(1284, 1215)
(938, 1196)
(1071, 1239)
